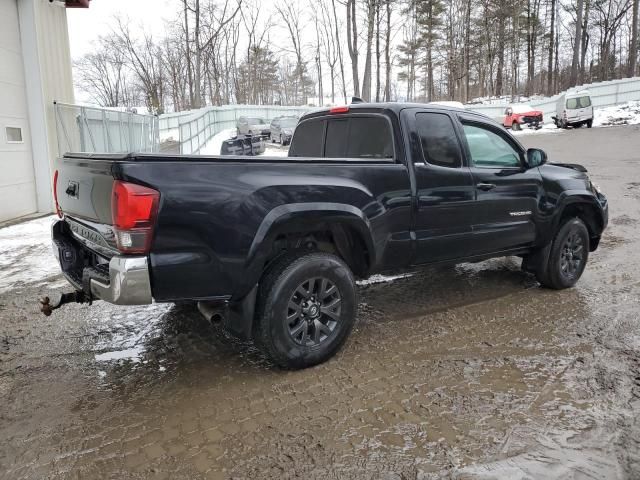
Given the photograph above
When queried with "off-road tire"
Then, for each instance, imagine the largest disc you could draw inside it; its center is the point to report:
(278, 289)
(552, 275)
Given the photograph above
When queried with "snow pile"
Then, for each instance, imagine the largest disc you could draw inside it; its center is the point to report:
(625, 114)
(546, 128)
(214, 145)
(26, 254)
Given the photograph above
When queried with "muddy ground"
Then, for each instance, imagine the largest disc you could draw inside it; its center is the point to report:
(473, 372)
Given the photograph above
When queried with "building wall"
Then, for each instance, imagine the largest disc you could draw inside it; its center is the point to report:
(17, 180)
(47, 64)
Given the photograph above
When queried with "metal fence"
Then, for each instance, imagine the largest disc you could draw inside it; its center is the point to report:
(194, 129)
(100, 130)
(603, 94)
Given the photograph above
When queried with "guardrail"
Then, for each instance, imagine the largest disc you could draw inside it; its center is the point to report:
(101, 130)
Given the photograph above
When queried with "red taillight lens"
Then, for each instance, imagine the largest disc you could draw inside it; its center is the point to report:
(55, 193)
(339, 110)
(133, 209)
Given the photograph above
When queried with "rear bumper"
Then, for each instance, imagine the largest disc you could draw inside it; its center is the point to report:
(129, 282)
(124, 280)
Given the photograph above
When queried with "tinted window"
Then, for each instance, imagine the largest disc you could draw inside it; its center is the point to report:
(488, 149)
(369, 137)
(439, 142)
(307, 142)
(337, 134)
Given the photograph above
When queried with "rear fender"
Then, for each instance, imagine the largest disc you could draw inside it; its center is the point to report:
(300, 217)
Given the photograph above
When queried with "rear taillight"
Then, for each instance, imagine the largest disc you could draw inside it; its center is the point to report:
(133, 210)
(55, 193)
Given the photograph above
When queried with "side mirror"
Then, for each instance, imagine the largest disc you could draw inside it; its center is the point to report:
(536, 157)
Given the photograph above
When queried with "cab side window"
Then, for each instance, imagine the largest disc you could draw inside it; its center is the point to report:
(439, 141)
(490, 150)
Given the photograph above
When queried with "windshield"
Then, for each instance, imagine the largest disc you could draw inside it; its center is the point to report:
(288, 122)
(578, 102)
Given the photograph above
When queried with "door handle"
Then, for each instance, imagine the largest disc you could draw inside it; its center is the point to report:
(486, 186)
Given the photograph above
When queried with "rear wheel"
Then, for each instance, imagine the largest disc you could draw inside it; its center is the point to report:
(568, 256)
(306, 309)
(589, 123)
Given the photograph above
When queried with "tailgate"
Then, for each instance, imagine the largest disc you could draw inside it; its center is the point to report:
(84, 188)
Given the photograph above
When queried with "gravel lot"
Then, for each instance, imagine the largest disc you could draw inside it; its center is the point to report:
(472, 372)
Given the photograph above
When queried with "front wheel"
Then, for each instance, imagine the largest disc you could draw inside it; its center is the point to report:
(306, 309)
(568, 256)
(515, 126)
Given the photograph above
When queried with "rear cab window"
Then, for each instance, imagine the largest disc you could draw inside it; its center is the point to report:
(362, 136)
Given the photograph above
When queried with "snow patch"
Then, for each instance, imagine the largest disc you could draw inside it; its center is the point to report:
(132, 354)
(26, 254)
(625, 114)
(377, 278)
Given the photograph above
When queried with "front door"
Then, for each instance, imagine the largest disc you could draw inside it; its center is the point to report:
(508, 195)
(445, 190)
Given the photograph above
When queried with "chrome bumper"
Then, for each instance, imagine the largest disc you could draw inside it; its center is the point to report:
(129, 282)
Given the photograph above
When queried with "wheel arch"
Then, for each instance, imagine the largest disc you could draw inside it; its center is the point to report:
(584, 208)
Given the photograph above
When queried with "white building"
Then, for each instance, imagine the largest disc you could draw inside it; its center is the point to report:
(35, 70)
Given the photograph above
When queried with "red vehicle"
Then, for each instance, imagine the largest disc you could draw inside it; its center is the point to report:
(517, 116)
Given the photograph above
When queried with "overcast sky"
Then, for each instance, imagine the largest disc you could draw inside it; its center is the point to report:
(85, 25)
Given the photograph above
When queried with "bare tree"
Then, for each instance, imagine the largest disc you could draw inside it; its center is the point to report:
(103, 74)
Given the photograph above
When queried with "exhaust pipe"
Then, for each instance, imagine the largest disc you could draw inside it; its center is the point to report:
(210, 311)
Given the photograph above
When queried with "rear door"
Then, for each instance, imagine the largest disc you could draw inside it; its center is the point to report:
(508, 195)
(445, 189)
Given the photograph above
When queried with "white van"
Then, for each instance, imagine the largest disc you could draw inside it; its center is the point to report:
(574, 109)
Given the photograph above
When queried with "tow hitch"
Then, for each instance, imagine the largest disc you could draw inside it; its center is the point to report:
(47, 305)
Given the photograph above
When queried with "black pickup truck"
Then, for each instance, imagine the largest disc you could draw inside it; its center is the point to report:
(275, 244)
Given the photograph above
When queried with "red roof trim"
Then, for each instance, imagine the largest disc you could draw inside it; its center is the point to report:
(77, 3)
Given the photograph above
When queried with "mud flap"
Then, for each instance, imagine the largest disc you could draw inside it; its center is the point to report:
(237, 316)
(537, 261)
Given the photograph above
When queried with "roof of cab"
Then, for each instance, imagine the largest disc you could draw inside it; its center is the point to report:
(395, 107)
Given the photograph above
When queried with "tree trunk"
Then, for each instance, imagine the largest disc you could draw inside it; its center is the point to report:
(387, 56)
(551, 48)
(335, 21)
(499, 72)
(576, 45)
(584, 43)
(366, 80)
(352, 44)
(633, 48)
(378, 53)
(188, 54)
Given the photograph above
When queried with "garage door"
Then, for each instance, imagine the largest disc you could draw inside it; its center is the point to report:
(17, 183)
